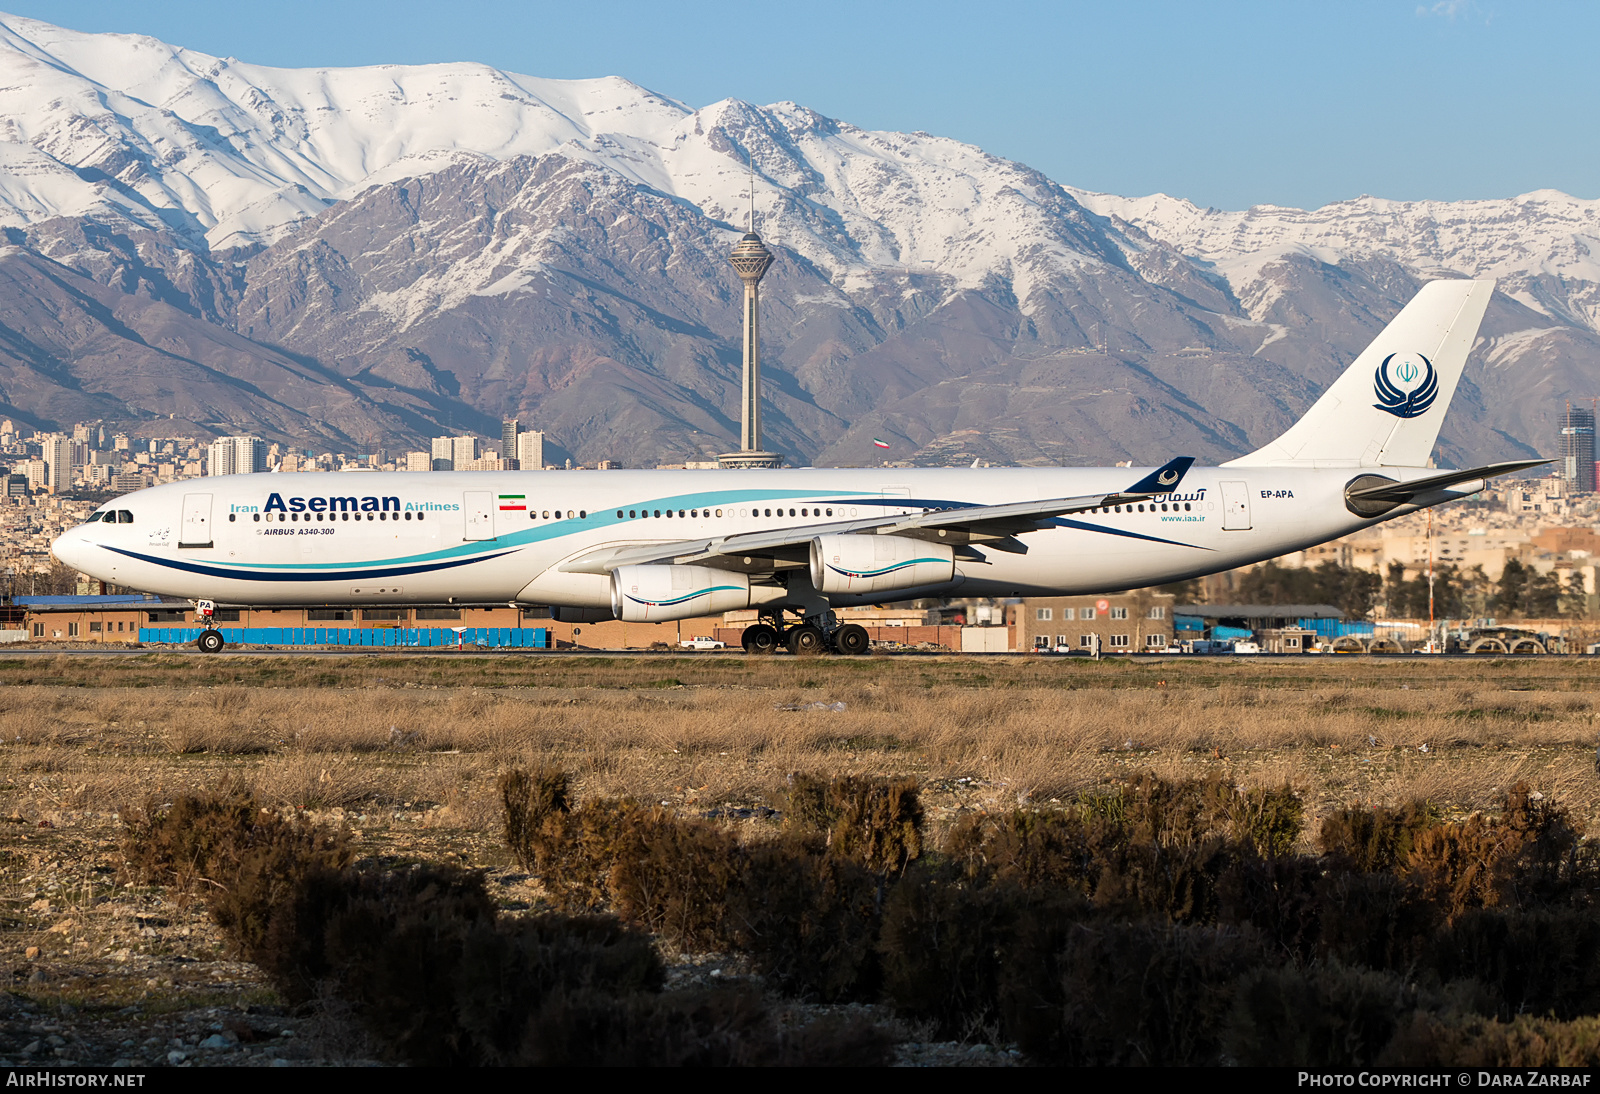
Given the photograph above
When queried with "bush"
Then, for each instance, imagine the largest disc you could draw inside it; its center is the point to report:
(1128, 993)
(676, 879)
(874, 822)
(1375, 840)
(1278, 896)
(809, 920)
(253, 867)
(1377, 920)
(575, 853)
(1330, 1016)
(946, 945)
(1540, 962)
(529, 797)
(1429, 1040)
(724, 1027)
(1034, 849)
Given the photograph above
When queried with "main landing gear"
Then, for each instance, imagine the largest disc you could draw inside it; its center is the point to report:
(806, 637)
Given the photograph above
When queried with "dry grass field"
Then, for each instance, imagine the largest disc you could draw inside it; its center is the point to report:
(405, 751)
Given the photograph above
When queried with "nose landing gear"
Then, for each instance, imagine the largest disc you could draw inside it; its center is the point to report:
(210, 641)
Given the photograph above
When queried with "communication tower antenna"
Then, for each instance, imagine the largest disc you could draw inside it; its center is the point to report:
(750, 167)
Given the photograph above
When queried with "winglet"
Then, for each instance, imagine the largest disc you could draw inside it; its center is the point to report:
(1164, 479)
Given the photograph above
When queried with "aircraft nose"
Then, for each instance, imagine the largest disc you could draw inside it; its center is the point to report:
(72, 548)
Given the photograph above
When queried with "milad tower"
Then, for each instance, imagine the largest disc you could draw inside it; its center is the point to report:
(751, 260)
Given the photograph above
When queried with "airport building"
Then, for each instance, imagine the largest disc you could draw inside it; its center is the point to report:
(1132, 622)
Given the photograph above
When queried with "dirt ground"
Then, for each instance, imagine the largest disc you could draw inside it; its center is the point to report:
(404, 751)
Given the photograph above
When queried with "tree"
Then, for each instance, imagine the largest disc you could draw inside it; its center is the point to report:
(1352, 591)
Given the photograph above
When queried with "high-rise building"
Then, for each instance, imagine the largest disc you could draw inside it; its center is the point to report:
(219, 456)
(463, 450)
(443, 453)
(508, 438)
(1577, 450)
(236, 456)
(530, 450)
(58, 456)
(419, 461)
(38, 473)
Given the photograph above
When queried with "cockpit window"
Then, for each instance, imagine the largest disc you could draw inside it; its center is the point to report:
(94, 517)
(124, 517)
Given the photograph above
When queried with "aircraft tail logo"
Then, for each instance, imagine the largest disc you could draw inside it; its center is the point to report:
(1405, 384)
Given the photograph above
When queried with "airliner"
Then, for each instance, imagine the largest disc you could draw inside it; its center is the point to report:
(794, 544)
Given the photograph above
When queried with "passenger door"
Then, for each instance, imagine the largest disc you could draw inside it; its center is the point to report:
(196, 530)
(1235, 506)
(478, 505)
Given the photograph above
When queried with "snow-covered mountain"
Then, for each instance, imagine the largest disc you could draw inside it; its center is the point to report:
(348, 254)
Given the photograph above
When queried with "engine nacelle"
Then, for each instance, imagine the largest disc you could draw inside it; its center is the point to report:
(876, 564)
(650, 594)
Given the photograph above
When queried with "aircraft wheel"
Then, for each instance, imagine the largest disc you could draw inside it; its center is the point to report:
(851, 640)
(759, 638)
(210, 641)
(806, 639)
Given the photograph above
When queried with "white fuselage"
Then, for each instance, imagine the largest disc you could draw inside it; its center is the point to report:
(501, 537)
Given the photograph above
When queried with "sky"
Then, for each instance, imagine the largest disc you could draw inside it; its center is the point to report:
(1225, 104)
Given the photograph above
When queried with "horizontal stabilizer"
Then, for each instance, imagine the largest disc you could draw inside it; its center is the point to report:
(1374, 495)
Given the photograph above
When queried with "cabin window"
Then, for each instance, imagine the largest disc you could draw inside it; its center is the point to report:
(658, 512)
(830, 512)
(719, 512)
(619, 514)
(232, 517)
(582, 514)
(408, 516)
(256, 517)
(419, 514)
(1185, 507)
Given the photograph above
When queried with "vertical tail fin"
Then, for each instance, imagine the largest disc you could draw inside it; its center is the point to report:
(1385, 411)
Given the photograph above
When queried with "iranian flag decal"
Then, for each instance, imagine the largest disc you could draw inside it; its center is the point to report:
(880, 444)
(514, 502)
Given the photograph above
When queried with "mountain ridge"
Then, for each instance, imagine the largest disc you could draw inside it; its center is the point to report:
(391, 251)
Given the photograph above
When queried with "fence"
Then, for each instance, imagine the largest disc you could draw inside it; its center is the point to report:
(534, 638)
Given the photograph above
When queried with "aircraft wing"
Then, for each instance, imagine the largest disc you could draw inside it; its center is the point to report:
(994, 525)
(1402, 492)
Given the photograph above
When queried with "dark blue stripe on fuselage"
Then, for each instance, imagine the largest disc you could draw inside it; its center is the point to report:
(306, 575)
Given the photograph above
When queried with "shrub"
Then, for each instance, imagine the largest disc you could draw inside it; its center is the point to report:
(1032, 849)
(675, 880)
(529, 797)
(1377, 840)
(1329, 1016)
(1128, 993)
(721, 1027)
(945, 946)
(1465, 864)
(809, 920)
(1377, 920)
(875, 822)
(1278, 896)
(575, 853)
(1429, 1040)
(1539, 962)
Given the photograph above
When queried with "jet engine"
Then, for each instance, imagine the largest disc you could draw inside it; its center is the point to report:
(650, 594)
(874, 564)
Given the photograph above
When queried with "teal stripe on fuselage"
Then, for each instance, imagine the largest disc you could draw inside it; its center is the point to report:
(558, 529)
